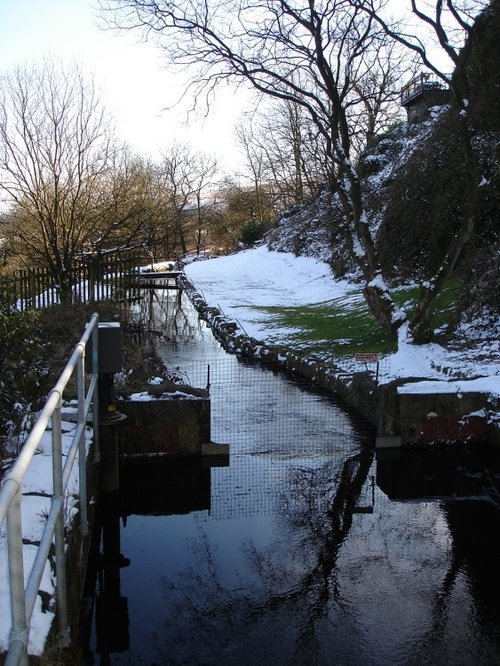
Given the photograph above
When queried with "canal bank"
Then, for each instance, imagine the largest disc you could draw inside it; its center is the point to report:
(403, 411)
(353, 469)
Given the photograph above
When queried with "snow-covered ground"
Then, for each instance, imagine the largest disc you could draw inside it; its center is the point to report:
(241, 283)
(37, 489)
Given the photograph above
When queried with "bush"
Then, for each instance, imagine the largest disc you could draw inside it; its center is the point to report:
(36, 346)
(23, 369)
(252, 232)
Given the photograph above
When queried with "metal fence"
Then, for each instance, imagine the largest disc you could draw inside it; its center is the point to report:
(420, 83)
(281, 431)
(260, 409)
(22, 600)
(98, 278)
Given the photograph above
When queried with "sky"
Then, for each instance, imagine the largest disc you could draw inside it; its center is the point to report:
(134, 85)
(131, 76)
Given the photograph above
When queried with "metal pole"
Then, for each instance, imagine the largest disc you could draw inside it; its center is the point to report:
(19, 632)
(58, 494)
(95, 399)
(82, 458)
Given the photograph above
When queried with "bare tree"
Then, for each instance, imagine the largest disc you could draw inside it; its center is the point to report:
(203, 172)
(375, 98)
(283, 142)
(246, 212)
(55, 146)
(174, 173)
(284, 153)
(321, 55)
(307, 53)
(255, 155)
(126, 205)
(451, 23)
(187, 178)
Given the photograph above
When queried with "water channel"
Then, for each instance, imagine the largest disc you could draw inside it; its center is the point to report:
(308, 548)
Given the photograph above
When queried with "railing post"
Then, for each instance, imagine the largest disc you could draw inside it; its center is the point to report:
(82, 458)
(19, 631)
(95, 399)
(58, 495)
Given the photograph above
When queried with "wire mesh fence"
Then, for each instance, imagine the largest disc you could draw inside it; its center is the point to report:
(259, 410)
(282, 430)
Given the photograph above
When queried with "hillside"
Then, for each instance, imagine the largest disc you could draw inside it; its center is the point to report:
(415, 186)
(412, 184)
(312, 229)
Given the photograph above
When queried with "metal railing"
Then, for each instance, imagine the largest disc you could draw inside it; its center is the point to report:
(420, 83)
(22, 601)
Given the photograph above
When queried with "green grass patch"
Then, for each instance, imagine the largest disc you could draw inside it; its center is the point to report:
(331, 327)
(345, 325)
(445, 309)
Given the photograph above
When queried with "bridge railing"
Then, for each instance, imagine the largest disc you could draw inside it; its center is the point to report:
(22, 600)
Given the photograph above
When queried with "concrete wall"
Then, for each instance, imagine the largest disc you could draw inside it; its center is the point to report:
(428, 417)
(177, 426)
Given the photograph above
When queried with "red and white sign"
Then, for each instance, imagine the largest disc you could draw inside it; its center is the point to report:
(367, 357)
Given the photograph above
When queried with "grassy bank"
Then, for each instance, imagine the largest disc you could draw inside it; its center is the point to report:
(345, 325)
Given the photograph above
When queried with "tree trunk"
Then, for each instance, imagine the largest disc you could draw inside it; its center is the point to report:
(383, 307)
(364, 253)
(420, 326)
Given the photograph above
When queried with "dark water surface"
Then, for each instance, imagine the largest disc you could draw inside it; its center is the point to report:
(308, 548)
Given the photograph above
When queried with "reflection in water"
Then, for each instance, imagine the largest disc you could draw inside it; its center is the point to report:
(291, 555)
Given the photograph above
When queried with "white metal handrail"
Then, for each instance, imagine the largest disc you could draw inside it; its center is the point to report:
(22, 601)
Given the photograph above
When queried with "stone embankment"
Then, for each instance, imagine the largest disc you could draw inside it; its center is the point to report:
(397, 418)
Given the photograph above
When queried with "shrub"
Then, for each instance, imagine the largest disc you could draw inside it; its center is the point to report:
(23, 368)
(252, 232)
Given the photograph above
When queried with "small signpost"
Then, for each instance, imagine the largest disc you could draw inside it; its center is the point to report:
(368, 357)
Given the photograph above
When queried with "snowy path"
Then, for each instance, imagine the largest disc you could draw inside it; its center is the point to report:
(242, 282)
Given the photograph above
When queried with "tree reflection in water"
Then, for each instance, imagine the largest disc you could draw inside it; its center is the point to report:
(166, 313)
(276, 605)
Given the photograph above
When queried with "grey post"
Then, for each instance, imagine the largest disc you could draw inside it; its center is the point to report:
(58, 496)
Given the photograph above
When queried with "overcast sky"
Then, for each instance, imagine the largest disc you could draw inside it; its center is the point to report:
(133, 84)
